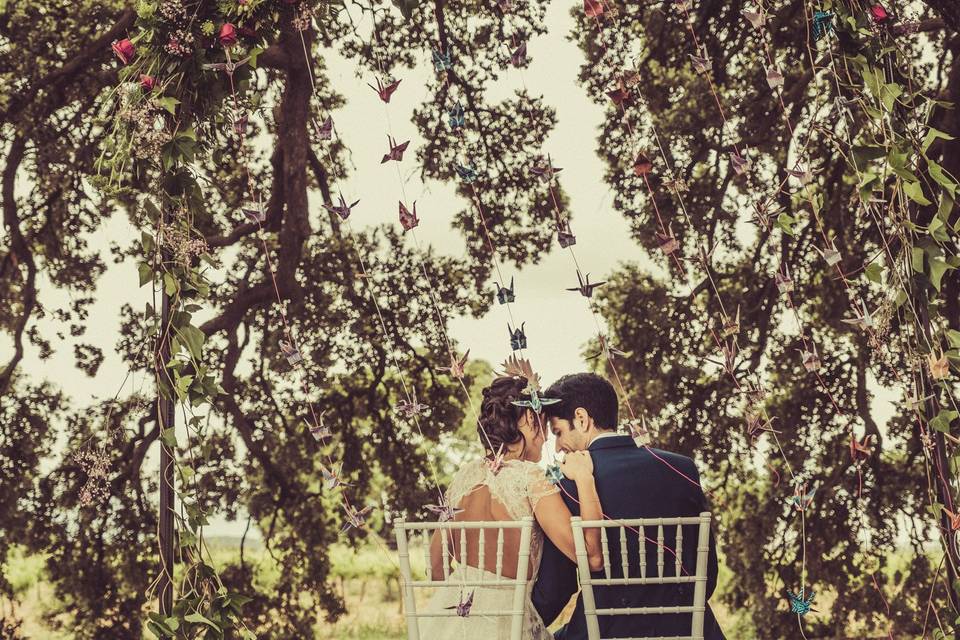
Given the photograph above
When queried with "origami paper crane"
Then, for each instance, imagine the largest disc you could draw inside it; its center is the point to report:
(822, 24)
(320, 431)
(411, 408)
(802, 498)
(385, 91)
(331, 479)
(756, 425)
(586, 288)
(677, 185)
(495, 462)
(519, 56)
(325, 130)
(456, 368)
(355, 519)
(642, 165)
(606, 349)
(564, 236)
(784, 281)
(939, 366)
(545, 170)
(455, 116)
(553, 474)
(954, 519)
(798, 604)
(811, 361)
(762, 215)
(441, 60)
(805, 176)
(774, 79)
(638, 430)
(535, 402)
(915, 402)
(731, 327)
(518, 339)
(667, 242)
(290, 352)
(505, 294)
(593, 8)
(740, 163)
(342, 209)
(621, 95)
(228, 67)
(396, 150)
(755, 18)
(860, 450)
(254, 211)
(467, 173)
(862, 318)
(444, 511)
(701, 61)
(407, 219)
(240, 125)
(464, 606)
(830, 254)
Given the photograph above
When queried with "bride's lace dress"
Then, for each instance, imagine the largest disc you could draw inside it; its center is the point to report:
(510, 494)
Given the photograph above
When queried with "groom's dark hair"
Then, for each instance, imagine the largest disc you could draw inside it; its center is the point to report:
(588, 390)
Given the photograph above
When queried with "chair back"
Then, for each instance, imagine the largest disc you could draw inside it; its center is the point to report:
(407, 532)
(644, 528)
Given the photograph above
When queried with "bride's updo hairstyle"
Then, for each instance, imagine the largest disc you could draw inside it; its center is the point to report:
(499, 417)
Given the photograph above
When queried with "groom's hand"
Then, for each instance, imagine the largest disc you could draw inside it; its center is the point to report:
(577, 465)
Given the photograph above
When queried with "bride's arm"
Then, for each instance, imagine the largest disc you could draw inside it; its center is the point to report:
(554, 516)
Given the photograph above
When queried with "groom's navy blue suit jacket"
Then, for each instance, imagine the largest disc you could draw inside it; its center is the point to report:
(632, 483)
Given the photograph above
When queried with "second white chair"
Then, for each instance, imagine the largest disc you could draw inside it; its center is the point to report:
(697, 608)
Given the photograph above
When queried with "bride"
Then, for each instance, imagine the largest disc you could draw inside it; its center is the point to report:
(484, 490)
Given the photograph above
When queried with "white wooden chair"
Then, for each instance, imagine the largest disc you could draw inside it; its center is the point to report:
(407, 531)
(645, 526)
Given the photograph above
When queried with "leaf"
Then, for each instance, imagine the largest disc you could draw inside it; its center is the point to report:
(194, 340)
(169, 284)
(954, 337)
(889, 94)
(146, 273)
(938, 267)
(169, 437)
(785, 222)
(169, 103)
(943, 420)
(914, 191)
(916, 259)
(874, 272)
(200, 618)
(932, 135)
(937, 173)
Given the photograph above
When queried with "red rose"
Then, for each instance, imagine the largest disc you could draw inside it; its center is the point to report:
(228, 35)
(124, 50)
(879, 13)
(147, 82)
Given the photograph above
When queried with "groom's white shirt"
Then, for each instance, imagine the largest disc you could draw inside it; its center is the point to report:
(605, 434)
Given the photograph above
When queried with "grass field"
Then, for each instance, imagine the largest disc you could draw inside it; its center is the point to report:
(366, 578)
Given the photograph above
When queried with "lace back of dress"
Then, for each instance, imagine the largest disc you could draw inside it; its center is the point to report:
(488, 497)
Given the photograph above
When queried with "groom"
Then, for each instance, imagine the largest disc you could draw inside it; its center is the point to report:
(631, 483)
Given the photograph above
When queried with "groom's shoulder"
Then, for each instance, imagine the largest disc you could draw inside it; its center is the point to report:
(652, 455)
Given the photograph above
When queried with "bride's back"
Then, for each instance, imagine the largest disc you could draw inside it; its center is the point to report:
(485, 496)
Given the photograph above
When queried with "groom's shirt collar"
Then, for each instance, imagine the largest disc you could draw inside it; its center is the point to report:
(600, 436)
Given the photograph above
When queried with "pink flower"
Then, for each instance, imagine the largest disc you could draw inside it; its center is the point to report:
(228, 35)
(124, 50)
(147, 82)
